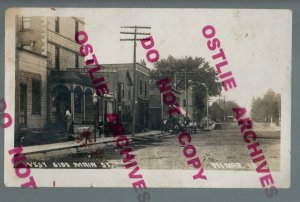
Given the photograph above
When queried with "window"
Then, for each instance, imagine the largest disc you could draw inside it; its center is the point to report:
(145, 89)
(184, 102)
(56, 24)
(56, 57)
(129, 90)
(26, 46)
(36, 96)
(141, 87)
(77, 100)
(120, 91)
(76, 61)
(76, 26)
(25, 22)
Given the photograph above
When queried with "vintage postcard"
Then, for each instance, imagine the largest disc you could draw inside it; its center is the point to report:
(145, 98)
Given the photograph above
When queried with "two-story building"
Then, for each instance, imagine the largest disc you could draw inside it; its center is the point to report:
(46, 83)
(124, 94)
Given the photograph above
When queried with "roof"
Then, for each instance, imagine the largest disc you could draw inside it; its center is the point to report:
(69, 77)
(126, 66)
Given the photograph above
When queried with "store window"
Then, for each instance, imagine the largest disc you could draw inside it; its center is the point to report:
(78, 99)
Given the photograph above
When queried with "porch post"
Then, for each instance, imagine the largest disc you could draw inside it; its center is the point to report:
(99, 105)
(84, 106)
(72, 104)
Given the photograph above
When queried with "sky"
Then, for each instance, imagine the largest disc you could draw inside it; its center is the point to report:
(257, 43)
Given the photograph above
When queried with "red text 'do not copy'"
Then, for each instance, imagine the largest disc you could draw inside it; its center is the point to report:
(169, 99)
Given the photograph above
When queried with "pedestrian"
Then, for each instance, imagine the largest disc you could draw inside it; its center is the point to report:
(195, 126)
(191, 126)
(165, 125)
(176, 128)
(68, 117)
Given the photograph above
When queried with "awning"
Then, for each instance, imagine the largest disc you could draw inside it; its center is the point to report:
(69, 77)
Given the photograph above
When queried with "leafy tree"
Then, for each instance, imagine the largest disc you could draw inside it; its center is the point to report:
(189, 73)
(266, 109)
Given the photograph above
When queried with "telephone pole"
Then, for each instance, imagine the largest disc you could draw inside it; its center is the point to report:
(207, 103)
(186, 97)
(134, 39)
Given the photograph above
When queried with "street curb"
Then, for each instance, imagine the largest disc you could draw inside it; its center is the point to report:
(76, 145)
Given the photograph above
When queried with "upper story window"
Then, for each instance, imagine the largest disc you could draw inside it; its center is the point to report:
(76, 61)
(76, 26)
(141, 87)
(145, 89)
(25, 22)
(57, 24)
(57, 66)
(129, 90)
(120, 91)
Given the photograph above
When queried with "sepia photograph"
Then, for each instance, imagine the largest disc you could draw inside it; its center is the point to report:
(186, 87)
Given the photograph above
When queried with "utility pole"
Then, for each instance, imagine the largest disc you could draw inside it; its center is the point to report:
(135, 33)
(219, 114)
(186, 97)
(279, 109)
(207, 107)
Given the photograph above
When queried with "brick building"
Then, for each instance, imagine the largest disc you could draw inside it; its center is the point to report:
(124, 94)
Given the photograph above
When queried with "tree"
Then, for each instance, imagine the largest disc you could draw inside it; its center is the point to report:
(266, 109)
(189, 73)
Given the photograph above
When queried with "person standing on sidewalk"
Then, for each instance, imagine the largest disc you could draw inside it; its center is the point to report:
(68, 117)
(191, 126)
(195, 126)
(164, 123)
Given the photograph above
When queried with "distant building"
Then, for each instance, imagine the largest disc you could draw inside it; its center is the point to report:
(159, 111)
